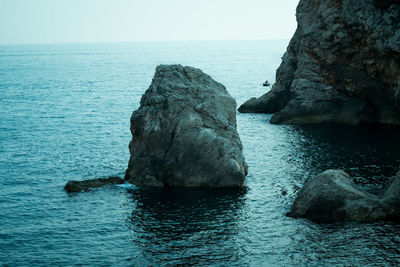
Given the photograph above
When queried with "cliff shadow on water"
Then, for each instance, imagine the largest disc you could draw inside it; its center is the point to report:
(369, 153)
(177, 223)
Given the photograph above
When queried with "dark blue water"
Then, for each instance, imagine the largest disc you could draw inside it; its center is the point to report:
(64, 115)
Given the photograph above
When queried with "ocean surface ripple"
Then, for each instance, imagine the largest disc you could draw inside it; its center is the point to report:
(64, 115)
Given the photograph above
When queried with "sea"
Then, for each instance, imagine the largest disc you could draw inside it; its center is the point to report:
(64, 115)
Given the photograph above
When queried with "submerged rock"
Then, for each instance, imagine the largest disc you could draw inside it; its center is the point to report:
(85, 185)
(184, 133)
(332, 197)
(342, 65)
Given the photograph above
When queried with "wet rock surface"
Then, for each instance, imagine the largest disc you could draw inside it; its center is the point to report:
(391, 197)
(333, 197)
(184, 133)
(86, 185)
(342, 65)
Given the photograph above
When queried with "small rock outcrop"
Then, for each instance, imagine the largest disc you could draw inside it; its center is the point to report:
(333, 197)
(391, 197)
(86, 185)
(342, 65)
(184, 133)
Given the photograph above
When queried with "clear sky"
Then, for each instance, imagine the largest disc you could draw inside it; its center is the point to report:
(65, 21)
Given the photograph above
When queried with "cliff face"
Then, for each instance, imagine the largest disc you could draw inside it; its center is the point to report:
(342, 65)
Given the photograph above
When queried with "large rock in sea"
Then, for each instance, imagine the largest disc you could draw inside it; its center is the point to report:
(184, 133)
(342, 65)
(332, 197)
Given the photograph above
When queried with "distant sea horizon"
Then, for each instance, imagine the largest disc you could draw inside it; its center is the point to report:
(140, 41)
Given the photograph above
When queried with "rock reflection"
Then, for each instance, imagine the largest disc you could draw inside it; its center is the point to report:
(366, 152)
(187, 226)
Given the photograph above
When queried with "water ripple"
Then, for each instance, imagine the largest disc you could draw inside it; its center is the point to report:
(64, 115)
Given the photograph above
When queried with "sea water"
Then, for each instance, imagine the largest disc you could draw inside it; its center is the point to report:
(64, 115)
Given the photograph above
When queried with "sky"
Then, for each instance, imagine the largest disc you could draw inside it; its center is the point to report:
(68, 21)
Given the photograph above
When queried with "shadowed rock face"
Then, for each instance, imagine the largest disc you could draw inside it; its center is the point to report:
(332, 196)
(184, 133)
(342, 65)
(391, 197)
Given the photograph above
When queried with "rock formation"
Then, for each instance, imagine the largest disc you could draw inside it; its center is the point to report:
(342, 65)
(391, 197)
(86, 185)
(332, 196)
(184, 133)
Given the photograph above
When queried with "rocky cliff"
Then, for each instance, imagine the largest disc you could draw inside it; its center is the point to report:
(342, 65)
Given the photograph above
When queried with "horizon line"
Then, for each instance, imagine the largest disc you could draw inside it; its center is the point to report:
(139, 41)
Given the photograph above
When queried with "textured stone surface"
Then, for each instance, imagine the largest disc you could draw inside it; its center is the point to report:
(184, 133)
(85, 185)
(391, 197)
(342, 65)
(332, 196)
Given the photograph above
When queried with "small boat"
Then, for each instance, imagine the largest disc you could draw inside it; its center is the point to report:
(266, 83)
